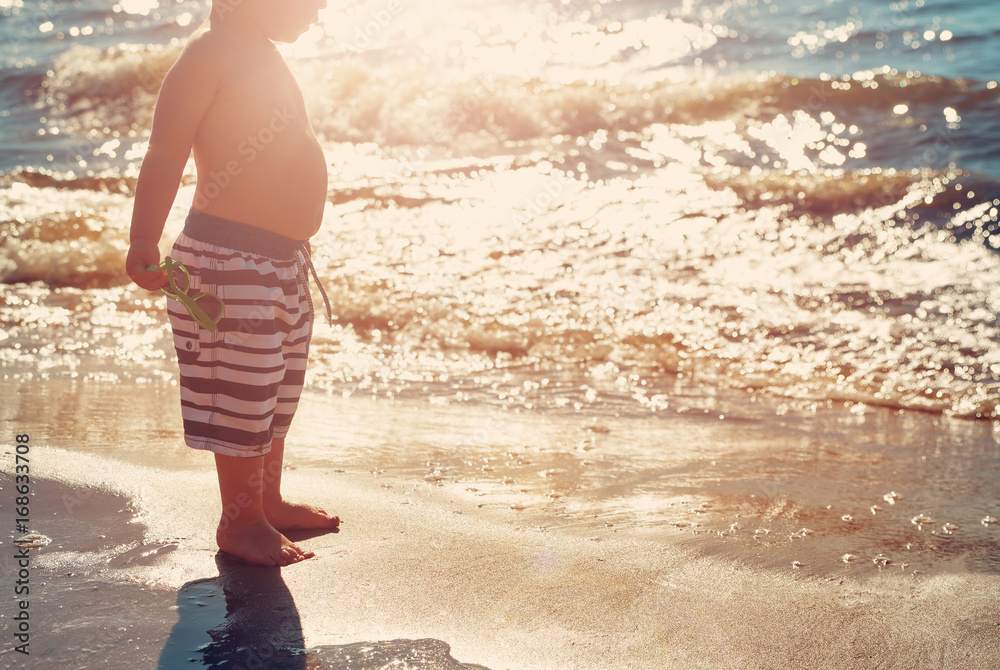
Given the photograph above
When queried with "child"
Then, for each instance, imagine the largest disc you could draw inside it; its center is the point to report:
(260, 195)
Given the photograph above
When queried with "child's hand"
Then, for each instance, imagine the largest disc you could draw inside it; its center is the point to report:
(141, 254)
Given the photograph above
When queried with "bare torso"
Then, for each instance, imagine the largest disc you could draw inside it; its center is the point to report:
(258, 159)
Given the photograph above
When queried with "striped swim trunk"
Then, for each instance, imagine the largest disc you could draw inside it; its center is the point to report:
(240, 385)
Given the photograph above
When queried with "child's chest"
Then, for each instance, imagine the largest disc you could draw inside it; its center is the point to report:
(262, 88)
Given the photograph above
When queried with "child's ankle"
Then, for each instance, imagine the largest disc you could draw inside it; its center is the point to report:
(229, 523)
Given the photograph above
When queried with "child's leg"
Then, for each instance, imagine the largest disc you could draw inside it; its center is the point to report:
(244, 530)
(282, 514)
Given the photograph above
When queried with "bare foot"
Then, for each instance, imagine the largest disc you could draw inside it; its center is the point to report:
(298, 516)
(260, 543)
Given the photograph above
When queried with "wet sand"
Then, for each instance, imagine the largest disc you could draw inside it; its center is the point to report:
(428, 573)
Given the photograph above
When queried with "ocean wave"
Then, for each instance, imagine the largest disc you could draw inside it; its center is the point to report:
(700, 277)
(823, 194)
(357, 101)
(75, 238)
(114, 88)
(111, 181)
(826, 194)
(677, 277)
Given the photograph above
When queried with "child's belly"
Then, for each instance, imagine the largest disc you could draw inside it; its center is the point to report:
(276, 181)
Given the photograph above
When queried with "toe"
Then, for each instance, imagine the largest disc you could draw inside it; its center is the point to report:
(303, 554)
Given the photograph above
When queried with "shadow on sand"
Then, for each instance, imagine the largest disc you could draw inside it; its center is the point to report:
(246, 619)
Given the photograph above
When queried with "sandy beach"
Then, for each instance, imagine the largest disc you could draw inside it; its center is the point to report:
(428, 574)
(662, 335)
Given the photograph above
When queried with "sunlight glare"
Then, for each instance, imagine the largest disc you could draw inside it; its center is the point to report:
(141, 7)
(790, 139)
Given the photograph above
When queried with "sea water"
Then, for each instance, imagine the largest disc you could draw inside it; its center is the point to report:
(624, 211)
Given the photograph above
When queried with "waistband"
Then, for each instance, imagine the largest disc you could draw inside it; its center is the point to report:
(238, 236)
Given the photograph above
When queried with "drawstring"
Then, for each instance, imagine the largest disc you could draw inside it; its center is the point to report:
(326, 300)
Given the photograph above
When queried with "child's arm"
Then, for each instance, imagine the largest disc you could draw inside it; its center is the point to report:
(185, 96)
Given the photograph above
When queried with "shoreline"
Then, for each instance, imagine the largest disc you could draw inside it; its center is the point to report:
(423, 562)
(763, 488)
(530, 601)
